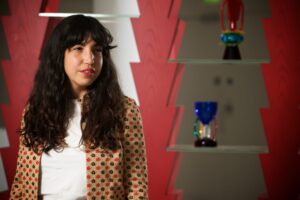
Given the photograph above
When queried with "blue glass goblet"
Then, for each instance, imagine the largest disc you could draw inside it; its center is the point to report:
(205, 112)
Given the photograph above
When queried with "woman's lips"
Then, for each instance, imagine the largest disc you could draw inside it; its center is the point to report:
(88, 71)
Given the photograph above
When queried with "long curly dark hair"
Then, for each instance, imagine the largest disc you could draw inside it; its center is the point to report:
(51, 102)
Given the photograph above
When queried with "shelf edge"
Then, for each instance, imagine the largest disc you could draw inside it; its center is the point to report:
(219, 149)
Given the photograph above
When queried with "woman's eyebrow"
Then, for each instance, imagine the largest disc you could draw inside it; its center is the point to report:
(83, 43)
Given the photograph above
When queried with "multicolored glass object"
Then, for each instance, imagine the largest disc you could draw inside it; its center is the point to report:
(205, 126)
(232, 35)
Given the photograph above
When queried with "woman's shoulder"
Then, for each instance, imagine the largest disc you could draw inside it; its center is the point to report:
(129, 102)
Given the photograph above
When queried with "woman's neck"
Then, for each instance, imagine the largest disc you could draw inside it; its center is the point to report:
(79, 95)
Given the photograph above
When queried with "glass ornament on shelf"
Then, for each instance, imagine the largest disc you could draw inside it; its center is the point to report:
(232, 35)
(205, 126)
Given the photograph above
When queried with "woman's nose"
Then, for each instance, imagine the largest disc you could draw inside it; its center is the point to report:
(89, 57)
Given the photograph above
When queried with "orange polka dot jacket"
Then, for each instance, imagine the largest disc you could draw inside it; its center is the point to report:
(117, 175)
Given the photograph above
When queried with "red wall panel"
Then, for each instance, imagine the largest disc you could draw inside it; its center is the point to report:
(24, 32)
(157, 33)
(281, 120)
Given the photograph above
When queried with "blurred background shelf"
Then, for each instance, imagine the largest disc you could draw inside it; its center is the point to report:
(95, 15)
(219, 149)
(238, 87)
(101, 9)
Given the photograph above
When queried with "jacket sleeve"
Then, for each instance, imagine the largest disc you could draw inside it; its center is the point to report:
(16, 188)
(135, 164)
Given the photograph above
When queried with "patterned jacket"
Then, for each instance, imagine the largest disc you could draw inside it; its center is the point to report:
(117, 175)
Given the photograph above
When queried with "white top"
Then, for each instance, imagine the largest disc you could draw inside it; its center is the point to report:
(63, 174)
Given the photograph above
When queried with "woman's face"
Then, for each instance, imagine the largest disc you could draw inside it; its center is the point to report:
(82, 64)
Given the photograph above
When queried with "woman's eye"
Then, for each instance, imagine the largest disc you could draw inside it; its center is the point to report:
(98, 50)
(77, 48)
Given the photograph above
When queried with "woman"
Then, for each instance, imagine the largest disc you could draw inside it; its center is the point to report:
(80, 137)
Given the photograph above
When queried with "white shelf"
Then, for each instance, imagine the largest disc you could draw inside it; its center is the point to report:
(95, 15)
(220, 149)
